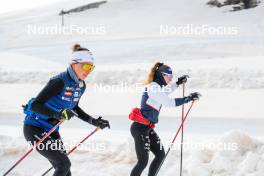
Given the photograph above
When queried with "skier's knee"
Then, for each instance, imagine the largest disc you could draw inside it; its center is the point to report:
(160, 155)
(67, 164)
(142, 163)
(64, 165)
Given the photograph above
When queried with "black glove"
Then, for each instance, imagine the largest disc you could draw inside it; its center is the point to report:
(182, 79)
(65, 114)
(194, 96)
(101, 123)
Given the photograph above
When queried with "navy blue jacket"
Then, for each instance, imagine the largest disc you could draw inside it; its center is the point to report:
(67, 98)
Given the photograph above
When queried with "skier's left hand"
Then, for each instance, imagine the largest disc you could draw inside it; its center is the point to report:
(194, 96)
(182, 80)
(101, 123)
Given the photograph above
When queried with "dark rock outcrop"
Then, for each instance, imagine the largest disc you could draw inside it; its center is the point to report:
(83, 8)
(236, 4)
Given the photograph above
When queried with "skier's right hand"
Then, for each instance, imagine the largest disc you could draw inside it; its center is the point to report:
(66, 114)
(101, 123)
(182, 80)
(194, 96)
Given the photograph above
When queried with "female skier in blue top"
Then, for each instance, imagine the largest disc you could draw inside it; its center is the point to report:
(57, 101)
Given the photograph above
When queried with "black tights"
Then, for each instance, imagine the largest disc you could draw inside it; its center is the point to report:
(57, 158)
(146, 139)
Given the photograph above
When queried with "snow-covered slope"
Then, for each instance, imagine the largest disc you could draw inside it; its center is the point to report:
(226, 69)
(132, 43)
(125, 20)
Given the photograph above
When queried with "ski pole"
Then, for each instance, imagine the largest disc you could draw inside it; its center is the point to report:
(35, 145)
(171, 145)
(183, 93)
(70, 151)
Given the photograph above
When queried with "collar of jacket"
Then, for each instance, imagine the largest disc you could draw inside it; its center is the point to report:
(73, 75)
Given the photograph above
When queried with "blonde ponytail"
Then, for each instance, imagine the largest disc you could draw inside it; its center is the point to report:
(152, 72)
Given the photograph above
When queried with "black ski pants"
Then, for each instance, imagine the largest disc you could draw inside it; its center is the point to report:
(146, 139)
(51, 148)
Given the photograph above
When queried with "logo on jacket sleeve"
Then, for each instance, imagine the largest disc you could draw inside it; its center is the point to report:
(68, 93)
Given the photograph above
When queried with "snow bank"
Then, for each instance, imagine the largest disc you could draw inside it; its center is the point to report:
(244, 157)
(211, 78)
(118, 158)
(242, 160)
(241, 73)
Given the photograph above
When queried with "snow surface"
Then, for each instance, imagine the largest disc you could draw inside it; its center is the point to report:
(226, 69)
(115, 154)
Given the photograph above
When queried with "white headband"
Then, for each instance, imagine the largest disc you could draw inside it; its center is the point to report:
(82, 56)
